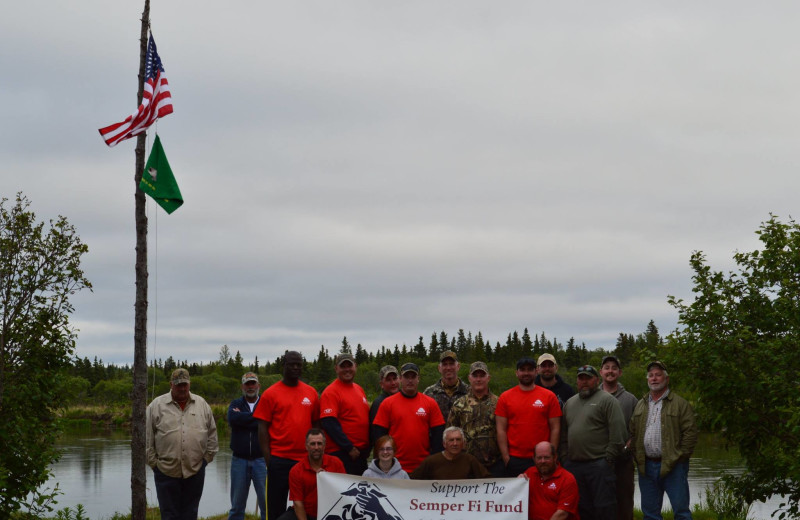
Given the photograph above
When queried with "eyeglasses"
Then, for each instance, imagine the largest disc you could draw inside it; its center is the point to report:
(386, 448)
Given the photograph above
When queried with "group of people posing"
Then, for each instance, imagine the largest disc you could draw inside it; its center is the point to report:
(577, 450)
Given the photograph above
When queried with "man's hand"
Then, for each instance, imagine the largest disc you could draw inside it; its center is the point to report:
(354, 453)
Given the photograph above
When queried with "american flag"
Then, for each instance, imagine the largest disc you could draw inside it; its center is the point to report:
(156, 102)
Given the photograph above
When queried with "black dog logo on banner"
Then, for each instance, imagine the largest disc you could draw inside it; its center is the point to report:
(362, 501)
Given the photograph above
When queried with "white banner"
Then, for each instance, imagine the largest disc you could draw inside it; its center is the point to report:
(347, 497)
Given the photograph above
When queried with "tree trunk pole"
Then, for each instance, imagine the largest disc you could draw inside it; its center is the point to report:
(139, 395)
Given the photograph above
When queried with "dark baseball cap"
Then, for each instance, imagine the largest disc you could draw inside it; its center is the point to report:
(526, 361)
(589, 370)
(658, 364)
(409, 367)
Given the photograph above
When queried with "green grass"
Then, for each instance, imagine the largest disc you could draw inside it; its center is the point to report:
(699, 512)
(78, 513)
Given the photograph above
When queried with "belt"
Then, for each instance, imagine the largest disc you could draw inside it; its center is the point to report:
(654, 459)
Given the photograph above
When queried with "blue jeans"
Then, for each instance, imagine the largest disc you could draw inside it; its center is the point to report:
(179, 498)
(676, 484)
(243, 472)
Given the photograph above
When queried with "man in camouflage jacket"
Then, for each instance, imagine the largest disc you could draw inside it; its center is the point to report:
(474, 413)
(449, 387)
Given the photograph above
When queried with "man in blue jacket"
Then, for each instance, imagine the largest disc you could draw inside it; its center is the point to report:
(247, 462)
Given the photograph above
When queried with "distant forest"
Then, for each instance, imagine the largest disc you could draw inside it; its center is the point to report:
(94, 382)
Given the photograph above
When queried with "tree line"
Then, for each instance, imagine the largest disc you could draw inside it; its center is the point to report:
(93, 381)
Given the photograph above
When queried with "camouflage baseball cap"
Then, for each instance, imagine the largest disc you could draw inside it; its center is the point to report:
(478, 365)
(388, 369)
(249, 377)
(448, 354)
(179, 375)
(341, 358)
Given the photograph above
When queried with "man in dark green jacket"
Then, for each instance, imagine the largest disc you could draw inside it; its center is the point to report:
(664, 434)
(596, 434)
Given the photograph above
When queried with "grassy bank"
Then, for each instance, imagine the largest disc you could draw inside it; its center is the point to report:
(698, 513)
(106, 417)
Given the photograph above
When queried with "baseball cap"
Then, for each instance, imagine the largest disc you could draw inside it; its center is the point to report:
(658, 364)
(388, 369)
(615, 359)
(526, 361)
(341, 358)
(478, 365)
(588, 370)
(409, 367)
(249, 377)
(448, 354)
(547, 357)
(179, 375)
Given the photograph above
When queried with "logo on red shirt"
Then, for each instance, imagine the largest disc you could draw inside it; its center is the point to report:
(538, 404)
(421, 412)
(306, 401)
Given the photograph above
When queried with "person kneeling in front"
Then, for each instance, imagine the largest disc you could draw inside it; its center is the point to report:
(553, 490)
(303, 477)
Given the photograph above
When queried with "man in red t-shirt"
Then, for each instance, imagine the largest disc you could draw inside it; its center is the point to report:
(553, 491)
(285, 408)
(414, 421)
(344, 416)
(303, 477)
(526, 415)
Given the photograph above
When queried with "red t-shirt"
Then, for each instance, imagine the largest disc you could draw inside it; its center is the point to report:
(528, 414)
(303, 481)
(409, 420)
(289, 410)
(348, 403)
(560, 491)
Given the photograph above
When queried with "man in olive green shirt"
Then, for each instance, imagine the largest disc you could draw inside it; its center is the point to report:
(181, 441)
(596, 433)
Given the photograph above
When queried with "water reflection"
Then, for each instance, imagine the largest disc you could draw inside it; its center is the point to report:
(95, 471)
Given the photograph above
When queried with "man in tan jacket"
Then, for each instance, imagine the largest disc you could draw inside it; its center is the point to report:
(181, 441)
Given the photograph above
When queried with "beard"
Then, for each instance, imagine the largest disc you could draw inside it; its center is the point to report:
(657, 387)
(585, 393)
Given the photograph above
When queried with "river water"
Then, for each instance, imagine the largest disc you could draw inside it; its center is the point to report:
(95, 471)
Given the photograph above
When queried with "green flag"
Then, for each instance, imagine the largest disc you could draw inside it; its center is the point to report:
(158, 181)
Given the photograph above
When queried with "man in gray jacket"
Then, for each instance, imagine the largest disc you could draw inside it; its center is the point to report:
(610, 371)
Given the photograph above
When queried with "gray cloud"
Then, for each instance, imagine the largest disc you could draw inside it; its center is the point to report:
(384, 171)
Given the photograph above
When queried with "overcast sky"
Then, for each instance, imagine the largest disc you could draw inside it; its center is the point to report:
(383, 170)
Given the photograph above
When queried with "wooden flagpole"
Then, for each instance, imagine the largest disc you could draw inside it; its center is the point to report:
(139, 395)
